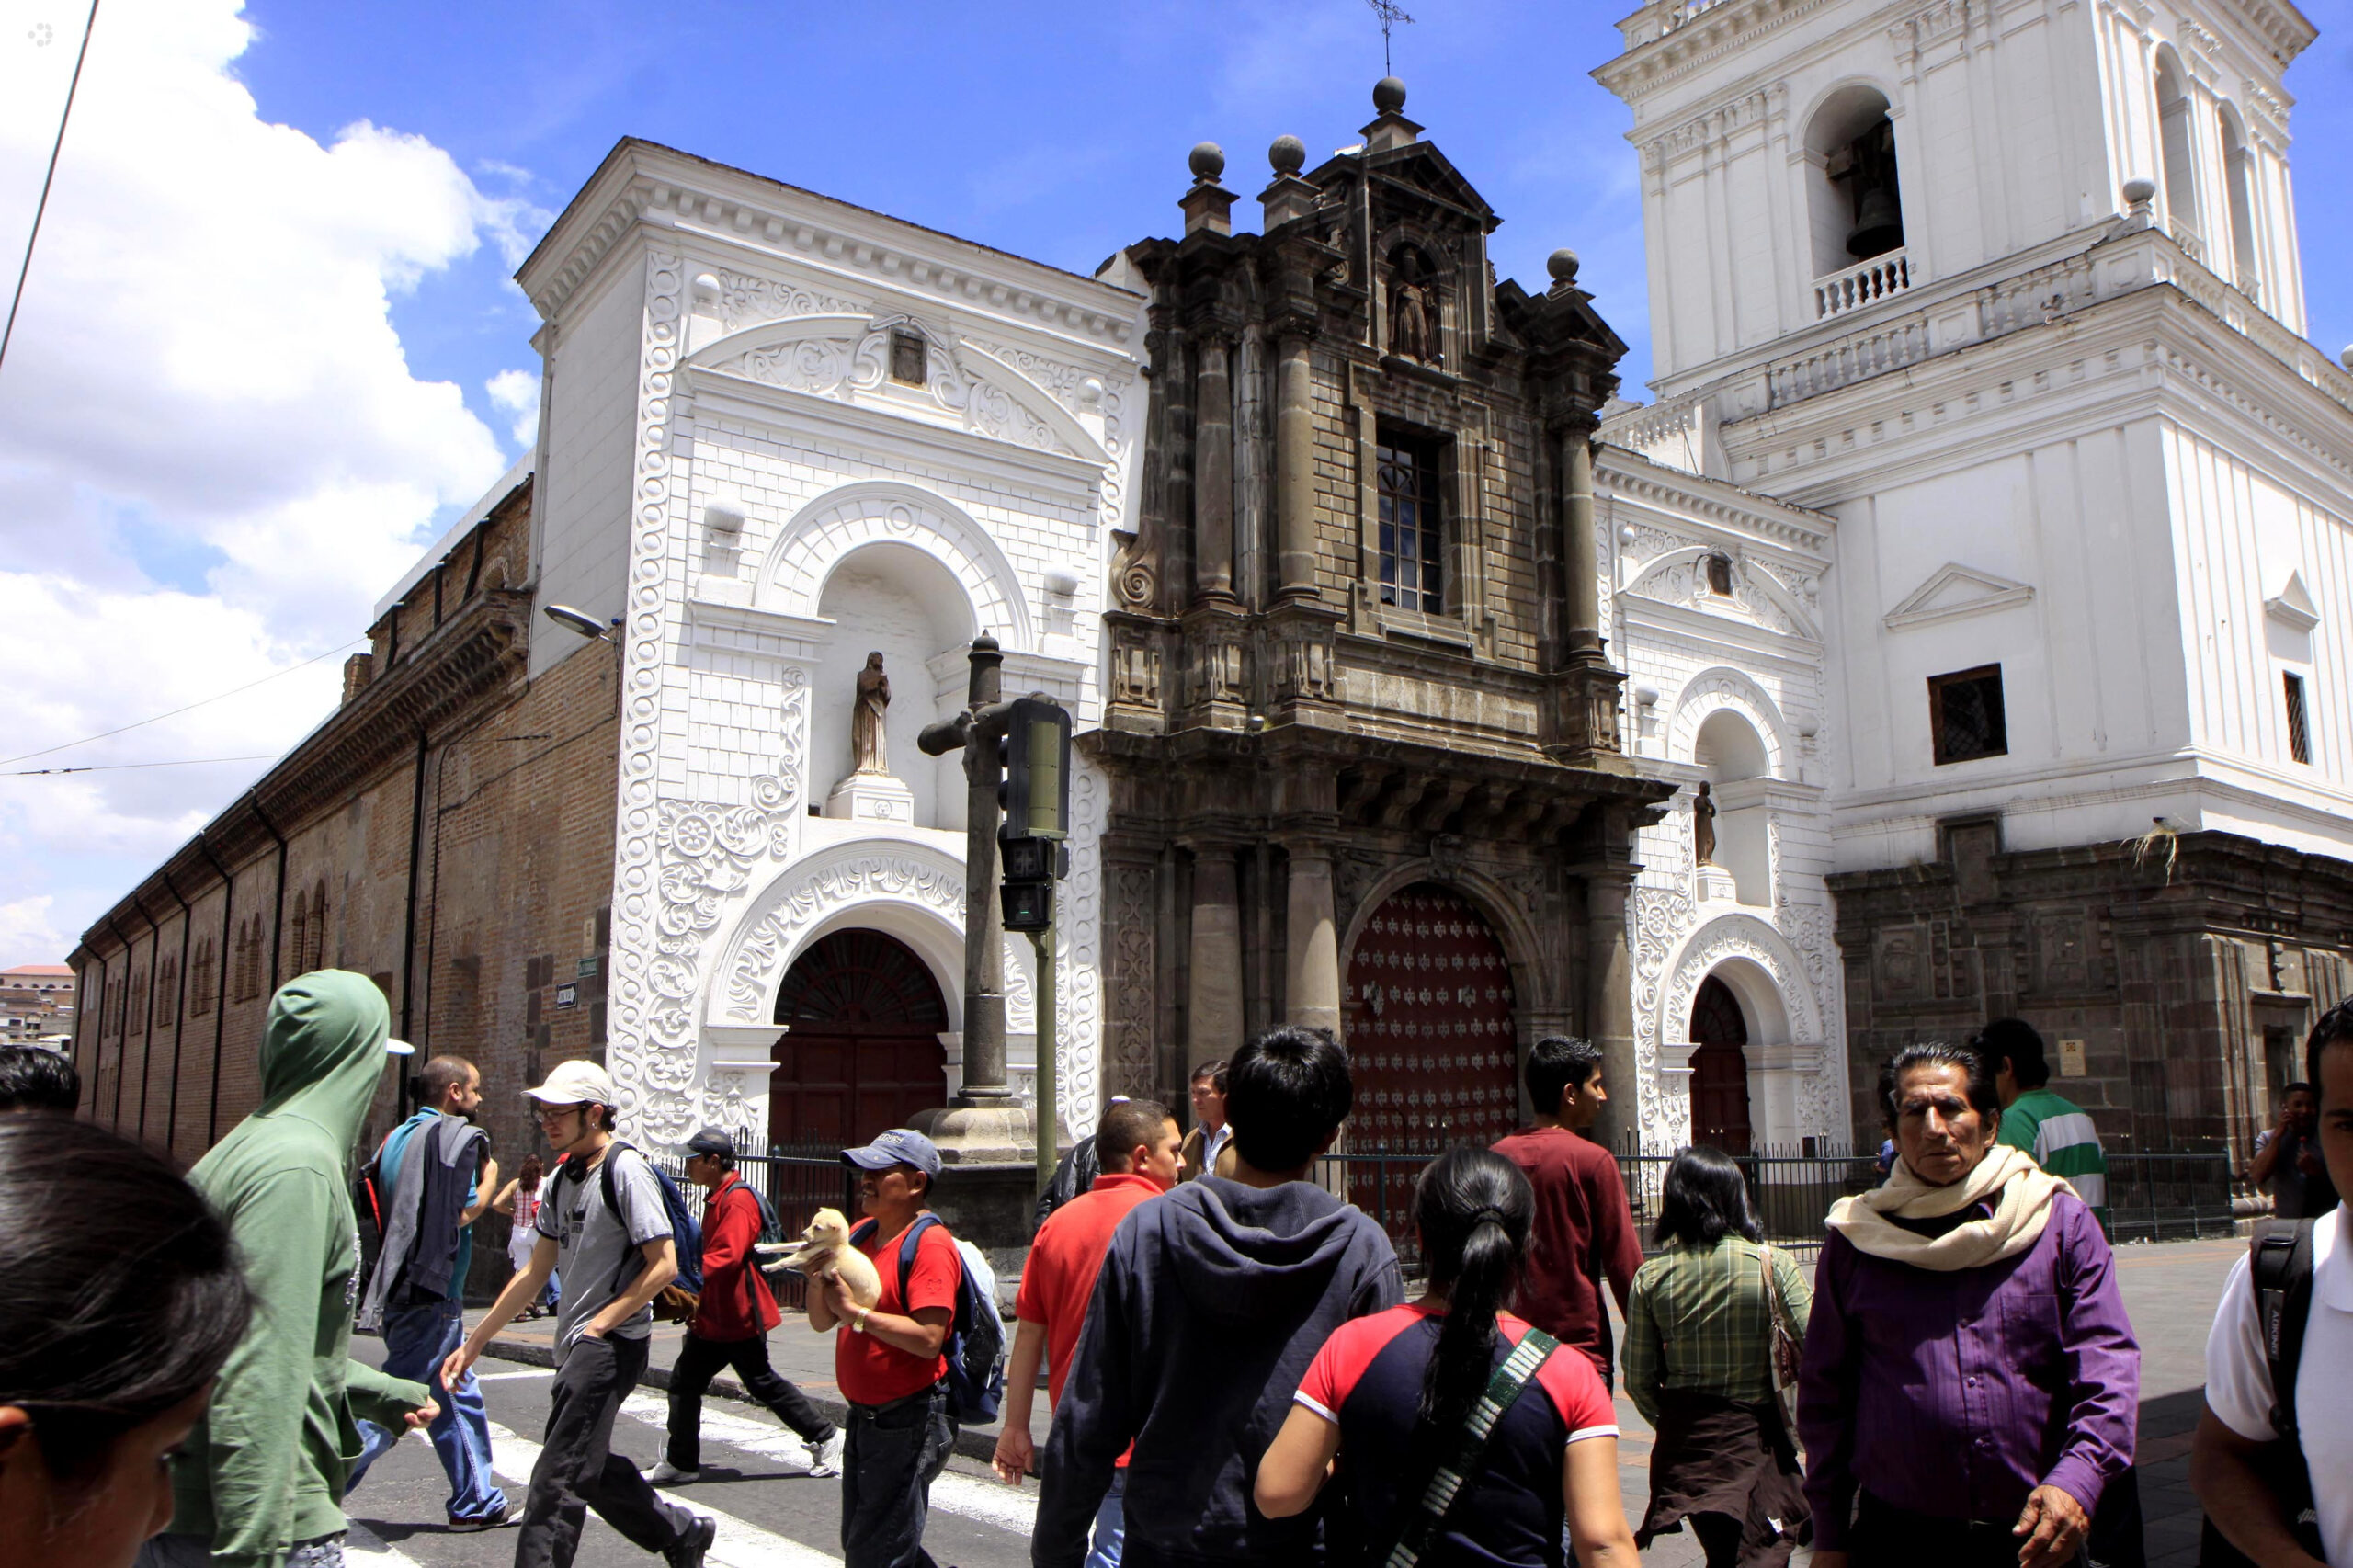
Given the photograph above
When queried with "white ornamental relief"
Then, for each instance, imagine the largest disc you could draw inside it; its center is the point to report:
(756, 967)
(723, 1104)
(749, 301)
(1660, 918)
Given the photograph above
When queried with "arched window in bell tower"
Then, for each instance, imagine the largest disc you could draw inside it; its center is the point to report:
(2174, 144)
(1854, 202)
(2239, 172)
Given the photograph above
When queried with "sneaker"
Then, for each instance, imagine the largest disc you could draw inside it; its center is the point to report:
(511, 1514)
(687, 1552)
(667, 1474)
(826, 1456)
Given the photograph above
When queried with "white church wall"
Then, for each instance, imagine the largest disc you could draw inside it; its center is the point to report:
(583, 488)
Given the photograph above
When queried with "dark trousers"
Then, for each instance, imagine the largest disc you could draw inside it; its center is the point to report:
(895, 1453)
(1888, 1537)
(577, 1469)
(700, 1360)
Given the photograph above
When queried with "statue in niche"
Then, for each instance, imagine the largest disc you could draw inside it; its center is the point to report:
(1703, 828)
(868, 747)
(1409, 309)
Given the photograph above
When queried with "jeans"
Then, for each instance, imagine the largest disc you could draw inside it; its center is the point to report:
(416, 1341)
(1110, 1524)
(195, 1551)
(700, 1360)
(577, 1469)
(895, 1453)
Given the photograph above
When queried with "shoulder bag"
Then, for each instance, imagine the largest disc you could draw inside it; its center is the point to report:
(1787, 1350)
(1446, 1487)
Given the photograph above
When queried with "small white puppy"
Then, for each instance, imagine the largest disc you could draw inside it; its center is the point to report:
(825, 1245)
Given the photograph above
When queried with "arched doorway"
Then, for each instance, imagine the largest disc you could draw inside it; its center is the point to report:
(1719, 1069)
(862, 1050)
(1431, 1039)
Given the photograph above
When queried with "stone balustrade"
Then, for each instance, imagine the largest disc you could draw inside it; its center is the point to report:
(1865, 283)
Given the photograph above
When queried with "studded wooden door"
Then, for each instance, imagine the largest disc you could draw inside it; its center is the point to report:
(1431, 1039)
(1719, 1069)
(862, 1050)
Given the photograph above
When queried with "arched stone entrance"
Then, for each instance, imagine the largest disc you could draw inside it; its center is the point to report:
(1429, 1015)
(861, 1053)
(1719, 1069)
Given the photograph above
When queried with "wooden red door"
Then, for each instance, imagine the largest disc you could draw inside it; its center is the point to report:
(861, 1053)
(1434, 1051)
(1719, 1069)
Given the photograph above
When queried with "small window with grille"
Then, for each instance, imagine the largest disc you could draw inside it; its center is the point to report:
(1412, 523)
(1719, 574)
(909, 361)
(1965, 717)
(2300, 734)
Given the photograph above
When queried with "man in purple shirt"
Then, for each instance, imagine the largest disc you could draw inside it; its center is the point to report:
(1970, 1381)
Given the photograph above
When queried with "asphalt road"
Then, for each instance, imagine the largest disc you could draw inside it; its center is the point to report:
(771, 1513)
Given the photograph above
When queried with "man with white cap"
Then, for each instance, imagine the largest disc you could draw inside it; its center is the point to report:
(612, 1239)
(890, 1362)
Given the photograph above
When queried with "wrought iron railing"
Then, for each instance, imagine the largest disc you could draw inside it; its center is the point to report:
(796, 1183)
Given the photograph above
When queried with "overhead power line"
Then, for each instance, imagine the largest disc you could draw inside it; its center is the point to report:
(216, 697)
(42, 204)
(114, 767)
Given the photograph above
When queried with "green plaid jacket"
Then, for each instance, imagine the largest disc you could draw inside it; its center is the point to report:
(1697, 1319)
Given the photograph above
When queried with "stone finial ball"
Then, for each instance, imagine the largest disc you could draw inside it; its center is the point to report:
(1208, 161)
(1389, 95)
(2139, 188)
(1562, 265)
(1288, 154)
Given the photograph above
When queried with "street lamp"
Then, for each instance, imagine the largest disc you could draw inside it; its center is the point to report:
(588, 626)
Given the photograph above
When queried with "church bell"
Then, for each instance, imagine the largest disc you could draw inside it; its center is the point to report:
(1878, 225)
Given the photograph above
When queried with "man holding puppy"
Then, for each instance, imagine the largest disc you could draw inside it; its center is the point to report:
(891, 1358)
(730, 1324)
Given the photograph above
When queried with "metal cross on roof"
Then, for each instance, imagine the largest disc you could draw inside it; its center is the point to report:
(1391, 14)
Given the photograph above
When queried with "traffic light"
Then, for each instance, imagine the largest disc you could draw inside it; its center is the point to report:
(1035, 753)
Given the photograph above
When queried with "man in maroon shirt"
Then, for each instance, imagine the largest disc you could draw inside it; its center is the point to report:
(730, 1324)
(1583, 1226)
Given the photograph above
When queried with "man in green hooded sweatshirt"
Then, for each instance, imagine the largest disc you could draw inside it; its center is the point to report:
(259, 1483)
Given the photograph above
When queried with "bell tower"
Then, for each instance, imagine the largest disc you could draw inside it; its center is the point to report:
(1804, 162)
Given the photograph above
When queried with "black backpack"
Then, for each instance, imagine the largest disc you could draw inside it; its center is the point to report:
(2281, 1272)
(975, 1344)
(368, 1199)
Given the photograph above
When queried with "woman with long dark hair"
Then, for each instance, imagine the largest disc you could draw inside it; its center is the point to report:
(1699, 1367)
(119, 1299)
(520, 1201)
(1403, 1399)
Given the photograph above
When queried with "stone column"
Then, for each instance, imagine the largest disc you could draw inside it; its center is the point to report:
(1214, 471)
(1582, 575)
(1295, 465)
(1311, 976)
(1214, 985)
(1610, 1004)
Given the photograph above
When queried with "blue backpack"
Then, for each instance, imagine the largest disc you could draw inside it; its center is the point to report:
(678, 1299)
(975, 1347)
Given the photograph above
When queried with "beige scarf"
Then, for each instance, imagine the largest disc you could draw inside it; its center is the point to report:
(2020, 1211)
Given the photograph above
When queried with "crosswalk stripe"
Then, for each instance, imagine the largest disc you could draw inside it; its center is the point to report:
(969, 1497)
(362, 1542)
(741, 1544)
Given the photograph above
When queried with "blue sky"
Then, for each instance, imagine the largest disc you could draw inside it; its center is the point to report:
(261, 359)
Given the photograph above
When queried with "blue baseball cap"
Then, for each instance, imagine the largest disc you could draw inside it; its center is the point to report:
(900, 1146)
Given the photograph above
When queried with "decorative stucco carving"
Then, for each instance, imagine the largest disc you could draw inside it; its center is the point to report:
(1723, 686)
(1132, 1062)
(746, 300)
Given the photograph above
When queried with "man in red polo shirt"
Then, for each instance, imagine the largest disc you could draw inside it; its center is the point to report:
(891, 1359)
(1585, 1228)
(1136, 1147)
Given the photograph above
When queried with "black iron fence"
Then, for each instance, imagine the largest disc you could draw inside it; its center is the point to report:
(2158, 1196)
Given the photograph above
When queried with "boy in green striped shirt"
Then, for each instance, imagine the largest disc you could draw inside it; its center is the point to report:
(2056, 1131)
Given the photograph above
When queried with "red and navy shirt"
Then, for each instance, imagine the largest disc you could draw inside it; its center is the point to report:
(1368, 1381)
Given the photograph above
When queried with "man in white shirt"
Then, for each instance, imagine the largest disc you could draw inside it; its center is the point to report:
(2226, 1469)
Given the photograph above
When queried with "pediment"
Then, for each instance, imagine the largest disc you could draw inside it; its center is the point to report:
(2292, 605)
(1422, 168)
(1954, 591)
(846, 357)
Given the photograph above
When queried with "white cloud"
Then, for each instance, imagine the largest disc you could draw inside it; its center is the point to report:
(27, 935)
(516, 393)
(214, 455)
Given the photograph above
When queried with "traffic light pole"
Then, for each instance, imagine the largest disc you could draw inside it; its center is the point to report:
(1048, 1125)
(977, 730)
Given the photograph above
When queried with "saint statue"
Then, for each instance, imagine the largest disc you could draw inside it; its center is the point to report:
(1409, 311)
(1703, 828)
(866, 740)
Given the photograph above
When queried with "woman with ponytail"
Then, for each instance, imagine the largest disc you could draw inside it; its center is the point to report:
(1400, 1400)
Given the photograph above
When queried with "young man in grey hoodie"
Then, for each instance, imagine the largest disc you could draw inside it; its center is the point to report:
(1211, 1303)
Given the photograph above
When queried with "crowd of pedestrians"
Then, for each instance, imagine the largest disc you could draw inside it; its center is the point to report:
(1235, 1372)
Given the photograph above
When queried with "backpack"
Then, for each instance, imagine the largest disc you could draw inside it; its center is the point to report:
(772, 1228)
(2281, 1274)
(975, 1347)
(678, 1299)
(368, 1212)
